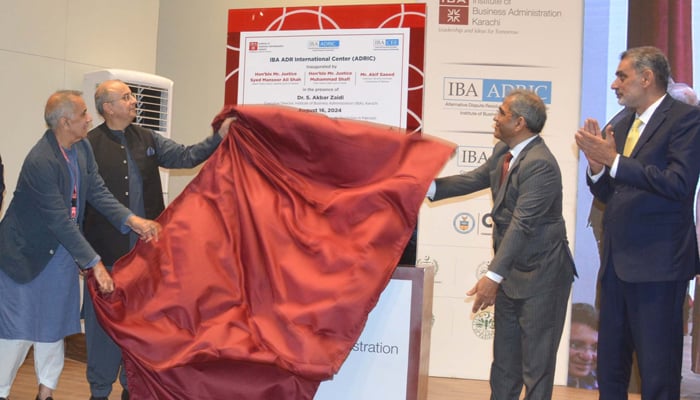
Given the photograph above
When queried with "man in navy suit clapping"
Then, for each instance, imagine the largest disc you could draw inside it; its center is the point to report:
(644, 168)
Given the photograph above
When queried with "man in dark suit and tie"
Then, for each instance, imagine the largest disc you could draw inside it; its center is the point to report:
(530, 276)
(644, 167)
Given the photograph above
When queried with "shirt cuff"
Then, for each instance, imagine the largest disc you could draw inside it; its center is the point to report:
(431, 190)
(596, 177)
(613, 167)
(494, 276)
(93, 262)
(125, 228)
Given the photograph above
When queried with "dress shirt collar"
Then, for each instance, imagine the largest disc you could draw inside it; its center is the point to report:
(646, 115)
(520, 146)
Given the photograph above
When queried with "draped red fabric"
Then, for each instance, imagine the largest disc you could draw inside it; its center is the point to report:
(666, 24)
(271, 259)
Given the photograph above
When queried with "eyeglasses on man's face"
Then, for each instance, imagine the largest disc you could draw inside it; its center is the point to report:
(581, 347)
(126, 97)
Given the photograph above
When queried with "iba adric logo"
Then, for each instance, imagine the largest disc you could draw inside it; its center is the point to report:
(454, 12)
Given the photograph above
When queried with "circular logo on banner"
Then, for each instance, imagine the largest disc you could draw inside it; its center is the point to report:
(426, 262)
(487, 220)
(483, 324)
(464, 223)
(482, 268)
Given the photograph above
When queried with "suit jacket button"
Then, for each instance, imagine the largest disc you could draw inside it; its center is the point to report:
(51, 251)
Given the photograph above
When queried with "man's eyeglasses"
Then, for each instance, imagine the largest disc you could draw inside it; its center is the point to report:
(126, 97)
(581, 347)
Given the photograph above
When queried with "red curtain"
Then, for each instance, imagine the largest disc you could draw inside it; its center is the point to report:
(271, 259)
(666, 24)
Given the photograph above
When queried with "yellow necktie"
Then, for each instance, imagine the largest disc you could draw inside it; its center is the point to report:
(632, 138)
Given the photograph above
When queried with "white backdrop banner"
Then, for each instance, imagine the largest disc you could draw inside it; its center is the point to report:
(476, 52)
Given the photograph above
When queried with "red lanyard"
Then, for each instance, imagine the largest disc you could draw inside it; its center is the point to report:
(74, 197)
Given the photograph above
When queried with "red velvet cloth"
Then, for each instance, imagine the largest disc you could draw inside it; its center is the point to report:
(271, 259)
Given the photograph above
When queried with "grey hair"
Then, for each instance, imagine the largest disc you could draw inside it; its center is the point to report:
(59, 105)
(102, 95)
(527, 104)
(651, 58)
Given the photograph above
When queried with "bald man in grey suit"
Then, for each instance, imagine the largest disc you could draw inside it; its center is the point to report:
(530, 276)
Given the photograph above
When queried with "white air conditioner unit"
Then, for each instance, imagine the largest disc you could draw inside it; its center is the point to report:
(153, 102)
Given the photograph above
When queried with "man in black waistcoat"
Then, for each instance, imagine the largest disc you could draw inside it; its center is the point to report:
(128, 157)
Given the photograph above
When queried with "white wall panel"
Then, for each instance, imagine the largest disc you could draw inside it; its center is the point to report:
(26, 82)
(112, 34)
(46, 45)
(33, 27)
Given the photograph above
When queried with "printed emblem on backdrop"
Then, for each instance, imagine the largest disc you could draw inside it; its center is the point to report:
(323, 44)
(427, 261)
(471, 157)
(464, 223)
(479, 98)
(252, 46)
(389, 43)
(454, 12)
(482, 268)
(483, 324)
(486, 224)
(491, 90)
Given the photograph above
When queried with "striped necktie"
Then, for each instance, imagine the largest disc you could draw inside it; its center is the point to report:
(632, 138)
(506, 164)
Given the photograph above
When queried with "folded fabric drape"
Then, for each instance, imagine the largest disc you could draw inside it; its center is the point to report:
(271, 258)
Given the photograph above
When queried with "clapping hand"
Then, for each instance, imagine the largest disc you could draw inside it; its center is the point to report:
(598, 146)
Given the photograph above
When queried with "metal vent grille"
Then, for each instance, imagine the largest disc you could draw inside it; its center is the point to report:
(151, 106)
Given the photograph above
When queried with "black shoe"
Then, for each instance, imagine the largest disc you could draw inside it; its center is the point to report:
(98, 398)
(125, 395)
